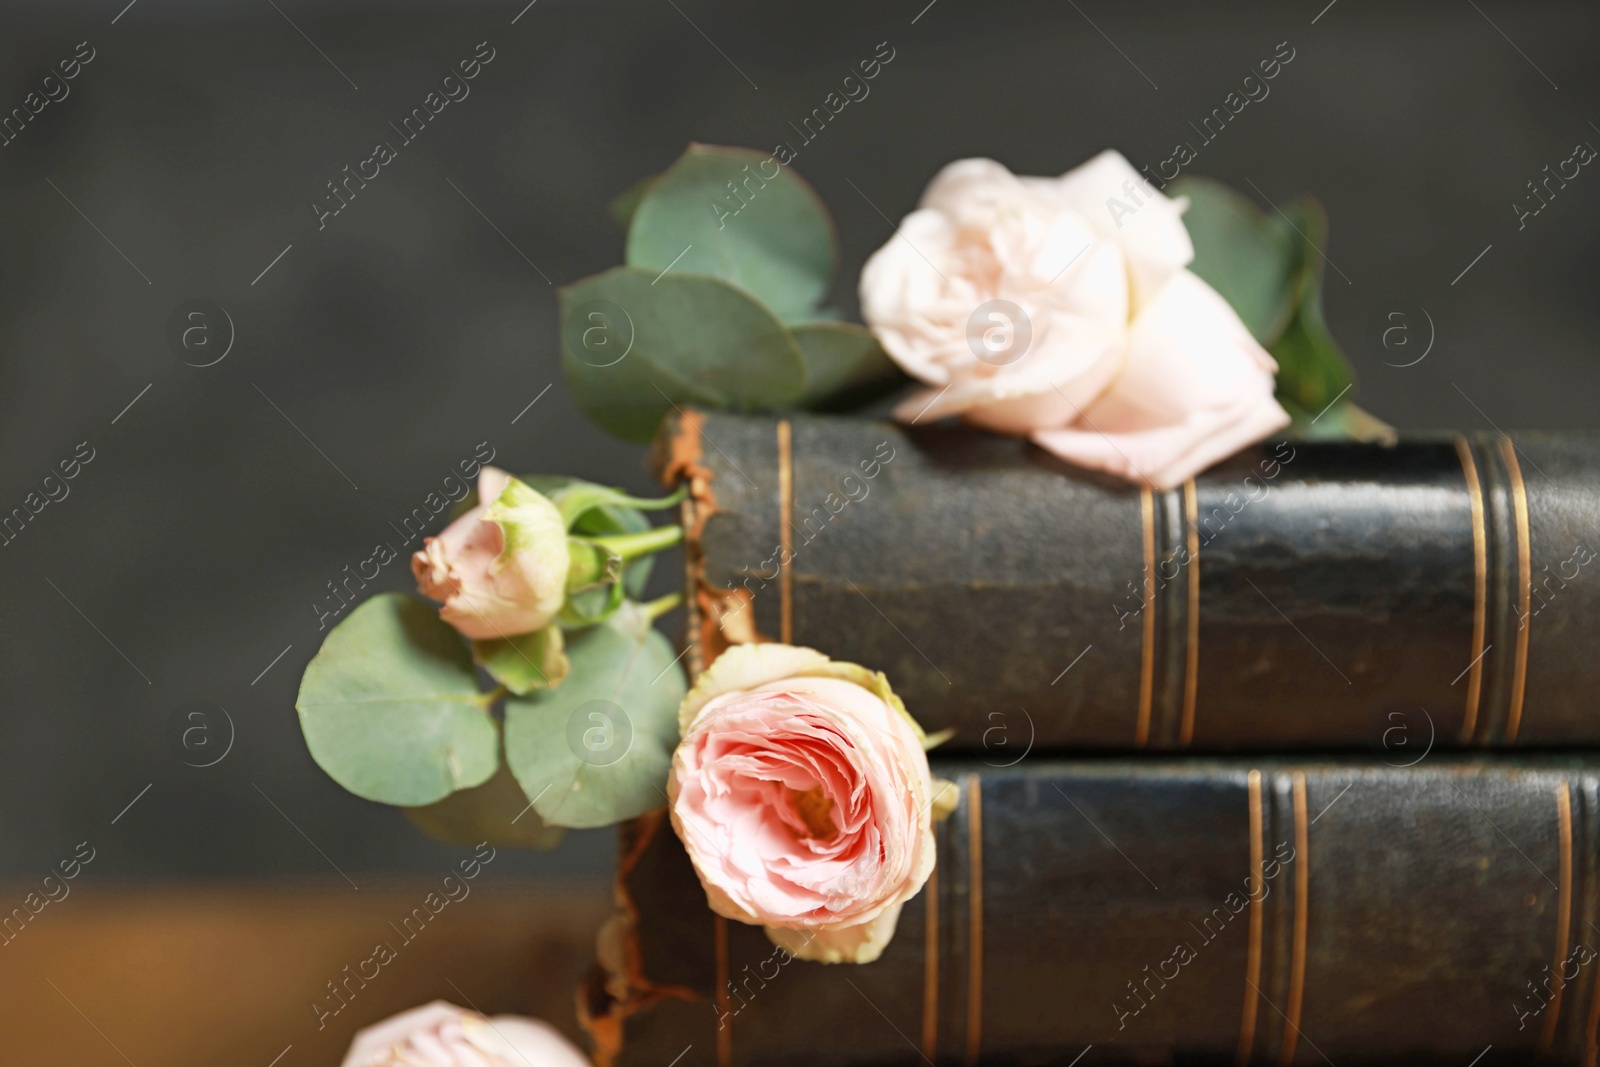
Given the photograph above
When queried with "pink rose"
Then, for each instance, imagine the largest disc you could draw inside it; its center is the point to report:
(500, 569)
(802, 794)
(443, 1035)
(1060, 309)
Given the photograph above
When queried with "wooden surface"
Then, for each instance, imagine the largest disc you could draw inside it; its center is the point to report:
(188, 977)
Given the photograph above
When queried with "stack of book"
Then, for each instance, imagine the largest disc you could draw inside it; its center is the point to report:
(1242, 766)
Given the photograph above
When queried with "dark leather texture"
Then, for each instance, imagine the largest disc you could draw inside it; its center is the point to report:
(1438, 592)
(1151, 913)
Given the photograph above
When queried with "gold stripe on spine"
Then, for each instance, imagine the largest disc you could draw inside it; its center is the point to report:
(930, 967)
(785, 538)
(1519, 670)
(1302, 893)
(1252, 968)
(724, 1010)
(1563, 913)
(1589, 810)
(1147, 658)
(975, 919)
(1480, 589)
(1191, 669)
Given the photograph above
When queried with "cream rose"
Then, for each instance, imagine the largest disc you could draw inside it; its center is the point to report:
(443, 1035)
(1060, 309)
(501, 569)
(802, 794)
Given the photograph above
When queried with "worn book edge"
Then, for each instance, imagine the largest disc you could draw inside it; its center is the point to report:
(617, 987)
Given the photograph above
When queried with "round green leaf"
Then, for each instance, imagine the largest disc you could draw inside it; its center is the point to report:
(737, 214)
(596, 749)
(842, 359)
(636, 342)
(495, 811)
(390, 707)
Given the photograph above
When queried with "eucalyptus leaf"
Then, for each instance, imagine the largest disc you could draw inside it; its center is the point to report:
(390, 707)
(636, 342)
(495, 811)
(737, 214)
(596, 750)
(1248, 256)
(842, 360)
(524, 662)
(625, 203)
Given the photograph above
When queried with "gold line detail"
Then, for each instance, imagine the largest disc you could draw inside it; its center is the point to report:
(1519, 671)
(1252, 973)
(724, 1011)
(930, 967)
(1147, 658)
(975, 919)
(1563, 913)
(1480, 589)
(1591, 1048)
(1302, 894)
(1191, 671)
(785, 538)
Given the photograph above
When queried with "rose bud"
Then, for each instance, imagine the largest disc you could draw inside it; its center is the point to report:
(1061, 309)
(443, 1035)
(802, 794)
(501, 569)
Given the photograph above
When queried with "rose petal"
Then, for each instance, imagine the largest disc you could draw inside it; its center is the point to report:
(1125, 207)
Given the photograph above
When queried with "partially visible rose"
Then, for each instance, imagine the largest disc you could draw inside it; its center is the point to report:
(500, 569)
(802, 794)
(443, 1035)
(1061, 309)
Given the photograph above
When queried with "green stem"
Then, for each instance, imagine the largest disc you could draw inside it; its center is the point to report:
(654, 609)
(654, 505)
(631, 546)
(486, 700)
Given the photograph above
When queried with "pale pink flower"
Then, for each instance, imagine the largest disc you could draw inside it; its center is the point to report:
(500, 569)
(443, 1035)
(802, 794)
(1061, 309)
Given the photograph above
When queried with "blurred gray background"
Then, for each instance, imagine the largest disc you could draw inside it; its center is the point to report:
(372, 355)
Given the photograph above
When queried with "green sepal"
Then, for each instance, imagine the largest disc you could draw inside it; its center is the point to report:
(525, 662)
(611, 516)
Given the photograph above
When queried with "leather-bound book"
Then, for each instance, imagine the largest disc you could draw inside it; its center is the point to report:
(1158, 911)
(1300, 594)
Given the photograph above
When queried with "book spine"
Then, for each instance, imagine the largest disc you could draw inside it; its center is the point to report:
(1266, 912)
(1300, 594)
